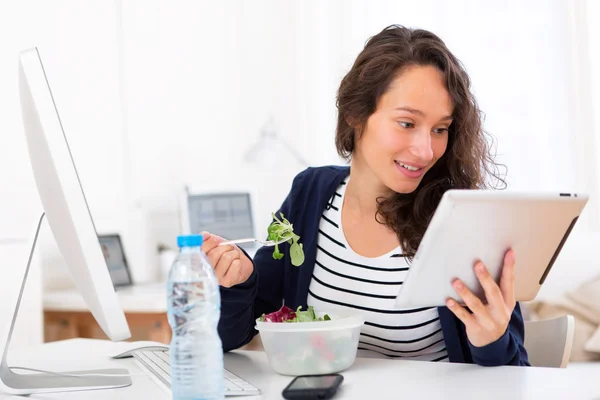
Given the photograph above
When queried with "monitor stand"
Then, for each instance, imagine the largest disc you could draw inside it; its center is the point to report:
(11, 382)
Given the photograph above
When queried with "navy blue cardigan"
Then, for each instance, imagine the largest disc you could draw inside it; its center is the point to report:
(275, 280)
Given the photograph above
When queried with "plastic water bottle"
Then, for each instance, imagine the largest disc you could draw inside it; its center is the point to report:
(194, 308)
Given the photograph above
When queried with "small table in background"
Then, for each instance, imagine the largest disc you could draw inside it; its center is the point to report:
(67, 316)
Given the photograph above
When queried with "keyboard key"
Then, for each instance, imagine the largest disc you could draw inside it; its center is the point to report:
(159, 363)
(229, 385)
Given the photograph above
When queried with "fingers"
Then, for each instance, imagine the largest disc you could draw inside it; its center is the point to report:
(486, 323)
(211, 248)
(470, 300)
(461, 313)
(233, 275)
(225, 263)
(230, 268)
(209, 242)
(479, 310)
(492, 290)
(507, 280)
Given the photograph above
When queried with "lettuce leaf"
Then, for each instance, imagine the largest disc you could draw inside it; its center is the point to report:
(281, 315)
(282, 229)
(286, 314)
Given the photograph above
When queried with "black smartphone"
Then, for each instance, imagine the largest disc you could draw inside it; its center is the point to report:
(307, 387)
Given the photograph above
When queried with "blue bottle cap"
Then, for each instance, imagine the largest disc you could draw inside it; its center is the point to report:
(189, 240)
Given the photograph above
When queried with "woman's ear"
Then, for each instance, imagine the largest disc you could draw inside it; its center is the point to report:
(356, 125)
(351, 121)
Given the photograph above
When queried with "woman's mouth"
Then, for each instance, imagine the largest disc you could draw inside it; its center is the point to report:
(410, 171)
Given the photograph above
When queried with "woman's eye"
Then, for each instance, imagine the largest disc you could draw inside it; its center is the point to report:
(440, 131)
(406, 125)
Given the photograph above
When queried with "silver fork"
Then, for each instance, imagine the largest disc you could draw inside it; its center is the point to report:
(262, 242)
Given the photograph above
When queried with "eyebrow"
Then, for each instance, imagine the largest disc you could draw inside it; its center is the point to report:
(421, 113)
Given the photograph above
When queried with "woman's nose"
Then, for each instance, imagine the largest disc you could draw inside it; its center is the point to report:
(421, 147)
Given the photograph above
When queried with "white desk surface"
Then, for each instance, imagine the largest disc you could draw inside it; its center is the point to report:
(367, 378)
(147, 298)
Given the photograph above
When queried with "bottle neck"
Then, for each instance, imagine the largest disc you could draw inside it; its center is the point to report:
(190, 249)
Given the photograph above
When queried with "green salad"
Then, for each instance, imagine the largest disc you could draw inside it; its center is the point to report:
(282, 229)
(286, 314)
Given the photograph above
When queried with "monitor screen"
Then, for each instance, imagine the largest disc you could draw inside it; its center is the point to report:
(114, 255)
(228, 215)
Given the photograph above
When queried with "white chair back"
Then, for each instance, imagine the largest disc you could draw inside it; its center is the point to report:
(548, 342)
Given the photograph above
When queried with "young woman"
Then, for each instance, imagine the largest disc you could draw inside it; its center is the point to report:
(411, 129)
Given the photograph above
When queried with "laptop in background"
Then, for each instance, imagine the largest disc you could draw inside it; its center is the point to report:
(114, 255)
(226, 214)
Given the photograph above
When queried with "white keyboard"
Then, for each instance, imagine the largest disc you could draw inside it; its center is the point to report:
(158, 363)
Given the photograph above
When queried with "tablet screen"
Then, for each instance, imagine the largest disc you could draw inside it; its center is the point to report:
(114, 255)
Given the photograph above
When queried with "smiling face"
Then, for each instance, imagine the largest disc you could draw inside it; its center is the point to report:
(408, 132)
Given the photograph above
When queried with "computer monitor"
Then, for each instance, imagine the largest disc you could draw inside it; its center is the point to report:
(70, 221)
(226, 214)
(114, 255)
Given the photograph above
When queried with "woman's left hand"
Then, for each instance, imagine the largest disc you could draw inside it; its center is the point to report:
(487, 322)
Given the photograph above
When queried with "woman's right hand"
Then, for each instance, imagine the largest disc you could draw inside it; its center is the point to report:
(231, 265)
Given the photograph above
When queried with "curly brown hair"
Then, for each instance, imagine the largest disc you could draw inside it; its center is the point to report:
(467, 162)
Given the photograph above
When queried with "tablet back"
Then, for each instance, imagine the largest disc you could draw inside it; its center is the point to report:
(471, 225)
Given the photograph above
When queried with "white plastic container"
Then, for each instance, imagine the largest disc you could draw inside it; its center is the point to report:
(305, 348)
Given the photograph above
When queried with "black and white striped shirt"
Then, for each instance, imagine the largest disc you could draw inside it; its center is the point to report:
(343, 280)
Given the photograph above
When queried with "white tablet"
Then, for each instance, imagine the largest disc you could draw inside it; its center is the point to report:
(471, 225)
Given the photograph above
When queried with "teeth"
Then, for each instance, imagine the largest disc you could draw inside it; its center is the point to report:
(408, 167)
